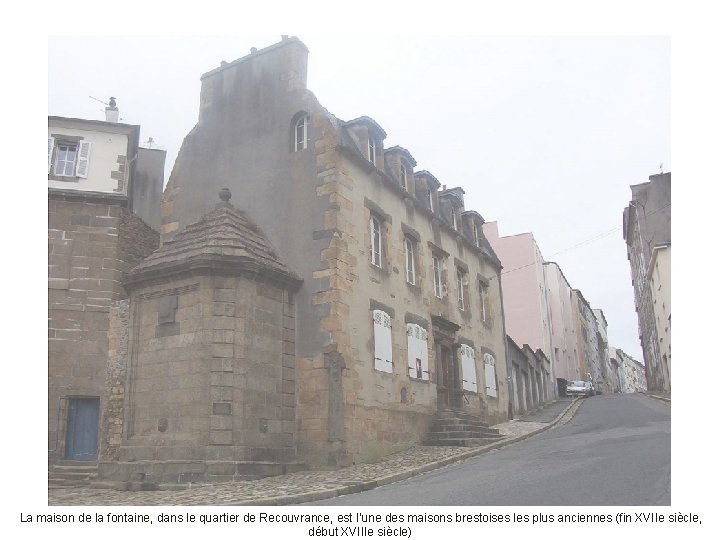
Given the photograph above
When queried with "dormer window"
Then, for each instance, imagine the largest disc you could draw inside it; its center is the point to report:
(454, 218)
(430, 201)
(372, 150)
(476, 234)
(301, 138)
(403, 177)
(68, 157)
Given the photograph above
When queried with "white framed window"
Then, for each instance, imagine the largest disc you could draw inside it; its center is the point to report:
(409, 260)
(403, 176)
(483, 300)
(382, 333)
(437, 275)
(454, 218)
(430, 200)
(372, 150)
(418, 352)
(476, 234)
(460, 288)
(375, 241)
(490, 379)
(301, 133)
(469, 372)
(68, 158)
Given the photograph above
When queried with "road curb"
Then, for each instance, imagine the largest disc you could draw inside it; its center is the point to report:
(659, 398)
(311, 496)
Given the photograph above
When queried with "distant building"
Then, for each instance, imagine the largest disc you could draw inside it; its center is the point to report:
(646, 229)
(531, 381)
(631, 373)
(588, 345)
(99, 185)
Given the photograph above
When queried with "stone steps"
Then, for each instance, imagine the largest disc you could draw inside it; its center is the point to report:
(457, 428)
(72, 473)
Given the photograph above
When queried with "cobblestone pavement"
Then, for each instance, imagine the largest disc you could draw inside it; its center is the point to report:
(306, 486)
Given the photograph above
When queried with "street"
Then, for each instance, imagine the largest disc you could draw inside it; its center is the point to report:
(614, 451)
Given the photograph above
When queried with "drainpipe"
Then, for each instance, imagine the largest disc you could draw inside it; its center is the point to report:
(508, 362)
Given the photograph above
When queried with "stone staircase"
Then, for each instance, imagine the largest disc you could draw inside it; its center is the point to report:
(457, 428)
(71, 473)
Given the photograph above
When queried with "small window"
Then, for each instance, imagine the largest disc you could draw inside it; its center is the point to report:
(437, 276)
(454, 218)
(301, 131)
(409, 260)
(483, 300)
(430, 200)
(376, 242)
(371, 150)
(382, 333)
(461, 289)
(476, 234)
(417, 352)
(403, 177)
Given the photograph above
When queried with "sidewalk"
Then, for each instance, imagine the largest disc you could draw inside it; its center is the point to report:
(308, 486)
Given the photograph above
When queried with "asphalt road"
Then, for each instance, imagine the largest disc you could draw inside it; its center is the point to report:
(614, 451)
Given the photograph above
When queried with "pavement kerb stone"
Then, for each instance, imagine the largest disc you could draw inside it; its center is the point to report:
(659, 398)
(396, 477)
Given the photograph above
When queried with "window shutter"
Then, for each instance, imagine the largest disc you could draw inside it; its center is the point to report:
(83, 159)
(490, 383)
(51, 145)
(469, 375)
(383, 341)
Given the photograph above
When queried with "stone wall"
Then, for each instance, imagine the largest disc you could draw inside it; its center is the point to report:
(92, 240)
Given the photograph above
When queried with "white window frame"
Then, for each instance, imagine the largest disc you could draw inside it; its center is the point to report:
(301, 128)
(417, 352)
(376, 241)
(469, 372)
(476, 234)
(403, 176)
(437, 275)
(382, 336)
(454, 218)
(372, 150)
(430, 200)
(490, 375)
(410, 260)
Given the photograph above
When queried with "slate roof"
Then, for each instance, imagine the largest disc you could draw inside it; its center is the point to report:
(223, 241)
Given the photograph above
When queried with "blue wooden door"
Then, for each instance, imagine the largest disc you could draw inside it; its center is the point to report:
(82, 429)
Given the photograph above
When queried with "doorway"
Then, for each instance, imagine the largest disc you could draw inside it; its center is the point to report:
(448, 390)
(81, 440)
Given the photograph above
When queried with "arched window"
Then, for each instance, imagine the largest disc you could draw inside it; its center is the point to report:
(301, 133)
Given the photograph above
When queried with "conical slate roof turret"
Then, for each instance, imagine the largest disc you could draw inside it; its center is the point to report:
(225, 241)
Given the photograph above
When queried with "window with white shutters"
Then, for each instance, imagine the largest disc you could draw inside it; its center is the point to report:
(382, 331)
(490, 379)
(68, 158)
(417, 352)
(469, 374)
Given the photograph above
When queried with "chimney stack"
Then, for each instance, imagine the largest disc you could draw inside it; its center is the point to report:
(112, 114)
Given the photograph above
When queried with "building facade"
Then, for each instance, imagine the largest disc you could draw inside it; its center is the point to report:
(94, 237)
(631, 373)
(646, 226)
(397, 313)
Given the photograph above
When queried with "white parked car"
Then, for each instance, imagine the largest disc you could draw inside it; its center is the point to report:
(580, 388)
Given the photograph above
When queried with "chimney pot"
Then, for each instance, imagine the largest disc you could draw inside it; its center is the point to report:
(253, 50)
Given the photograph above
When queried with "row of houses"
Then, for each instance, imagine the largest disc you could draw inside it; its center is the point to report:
(303, 294)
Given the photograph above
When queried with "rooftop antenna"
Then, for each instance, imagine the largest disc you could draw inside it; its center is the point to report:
(105, 103)
(661, 165)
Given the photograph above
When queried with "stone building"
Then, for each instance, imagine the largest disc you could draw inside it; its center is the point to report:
(99, 185)
(530, 375)
(631, 373)
(588, 344)
(393, 312)
(646, 226)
